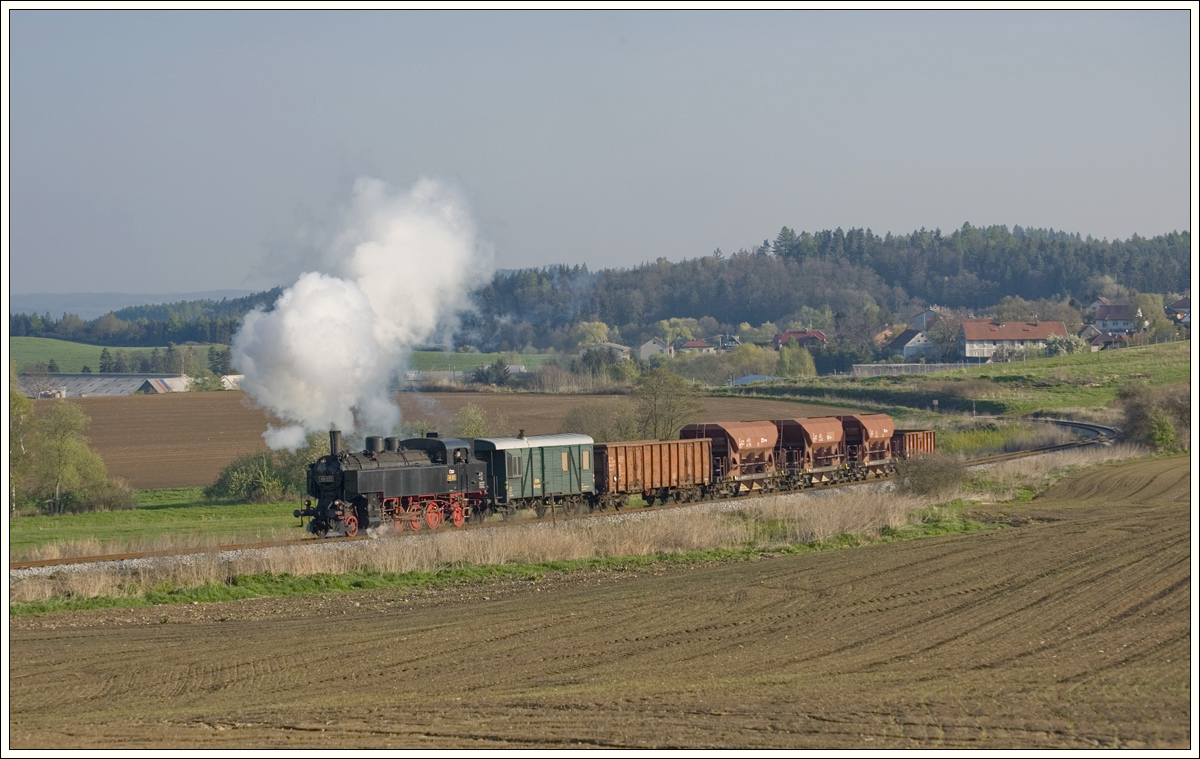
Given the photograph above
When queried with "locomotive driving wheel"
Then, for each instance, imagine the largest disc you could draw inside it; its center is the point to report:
(415, 517)
(434, 515)
(351, 526)
(458, 515)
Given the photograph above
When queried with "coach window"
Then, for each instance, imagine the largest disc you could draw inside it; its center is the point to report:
(564, 460)
(587, 459)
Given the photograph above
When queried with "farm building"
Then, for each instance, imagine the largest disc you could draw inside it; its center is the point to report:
(91, 385)
(621, 351)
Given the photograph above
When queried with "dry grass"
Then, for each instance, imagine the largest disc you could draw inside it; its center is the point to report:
(167, 543)
(807, 519)
(765, 522)
(1001, 482)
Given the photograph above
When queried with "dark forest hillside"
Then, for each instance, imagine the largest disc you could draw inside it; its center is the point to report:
(855, 277)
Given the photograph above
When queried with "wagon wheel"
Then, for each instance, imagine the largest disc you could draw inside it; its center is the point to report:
(414, 516)
(539, 508)
(649, 499)
(351, 526)
(434, 515)
(457, 515)
(508, 513)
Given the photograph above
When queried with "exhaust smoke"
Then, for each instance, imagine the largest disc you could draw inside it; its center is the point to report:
(396, 275)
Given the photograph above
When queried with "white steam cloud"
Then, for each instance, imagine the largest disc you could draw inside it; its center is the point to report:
(399, 271)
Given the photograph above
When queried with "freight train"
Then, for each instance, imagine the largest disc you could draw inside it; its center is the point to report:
(433, 480)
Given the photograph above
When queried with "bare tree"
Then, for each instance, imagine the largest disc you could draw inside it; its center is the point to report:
(665, 403)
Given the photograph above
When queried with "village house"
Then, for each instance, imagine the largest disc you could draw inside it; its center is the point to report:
(925, 319)
(655, 347)
(805, 338)
(978, 339)
(694, 346)
(915, 344)
(1120, 319)
(1097, 303)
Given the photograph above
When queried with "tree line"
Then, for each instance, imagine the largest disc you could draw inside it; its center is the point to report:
(851, 284)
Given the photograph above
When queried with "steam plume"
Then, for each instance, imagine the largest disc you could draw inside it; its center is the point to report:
(397, 273)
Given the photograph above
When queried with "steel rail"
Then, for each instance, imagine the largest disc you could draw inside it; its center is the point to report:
(1101, 434)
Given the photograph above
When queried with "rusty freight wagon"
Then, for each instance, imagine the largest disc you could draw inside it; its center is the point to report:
(680, 470)
(811, 450)
(743, 454)
(909, 444)
(869, 444)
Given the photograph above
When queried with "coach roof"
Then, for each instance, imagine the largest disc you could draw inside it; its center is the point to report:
(533, 441)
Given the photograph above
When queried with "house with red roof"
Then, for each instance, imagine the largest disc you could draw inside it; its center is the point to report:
(806, 338)
(978, 339)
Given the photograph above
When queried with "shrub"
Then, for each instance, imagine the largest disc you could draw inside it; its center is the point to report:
(1150, 410)
(268, 476)
(1162, 432)
(936, 474)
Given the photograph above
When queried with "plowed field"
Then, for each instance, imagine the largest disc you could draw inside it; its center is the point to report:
(185, 439)
(1068, 630)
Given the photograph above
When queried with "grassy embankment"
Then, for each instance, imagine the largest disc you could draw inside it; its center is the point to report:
(72, 357)
(1085, 381)
(793, 523)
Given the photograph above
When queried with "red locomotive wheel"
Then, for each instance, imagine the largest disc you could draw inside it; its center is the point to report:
(414, 516)
(351, 526)
(433, 515)
(458, 515)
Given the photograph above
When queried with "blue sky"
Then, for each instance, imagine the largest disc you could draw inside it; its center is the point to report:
(199, 150)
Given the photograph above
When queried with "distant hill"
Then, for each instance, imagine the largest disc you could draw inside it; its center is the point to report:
(90, 306)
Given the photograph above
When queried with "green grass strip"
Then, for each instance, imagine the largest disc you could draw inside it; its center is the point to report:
(942, 520)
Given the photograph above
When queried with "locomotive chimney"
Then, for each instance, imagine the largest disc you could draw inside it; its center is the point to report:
(335, 442)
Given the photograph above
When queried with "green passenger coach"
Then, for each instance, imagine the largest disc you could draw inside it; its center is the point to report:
(538, 471)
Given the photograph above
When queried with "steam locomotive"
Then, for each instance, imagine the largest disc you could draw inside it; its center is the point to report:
(426, 482)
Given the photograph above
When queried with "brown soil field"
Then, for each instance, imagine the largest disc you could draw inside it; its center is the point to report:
(1068, 630)
(185, 439)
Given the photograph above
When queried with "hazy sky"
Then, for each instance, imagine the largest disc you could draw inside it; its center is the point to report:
(195, 150)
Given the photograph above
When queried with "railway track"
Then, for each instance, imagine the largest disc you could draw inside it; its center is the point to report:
(1094, 434)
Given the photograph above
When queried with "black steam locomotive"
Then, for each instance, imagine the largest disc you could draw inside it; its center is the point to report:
(430, 480)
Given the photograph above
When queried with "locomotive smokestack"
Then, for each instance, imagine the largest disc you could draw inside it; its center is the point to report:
(335, 442)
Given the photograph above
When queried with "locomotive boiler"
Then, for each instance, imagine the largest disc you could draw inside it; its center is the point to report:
(393, 482)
